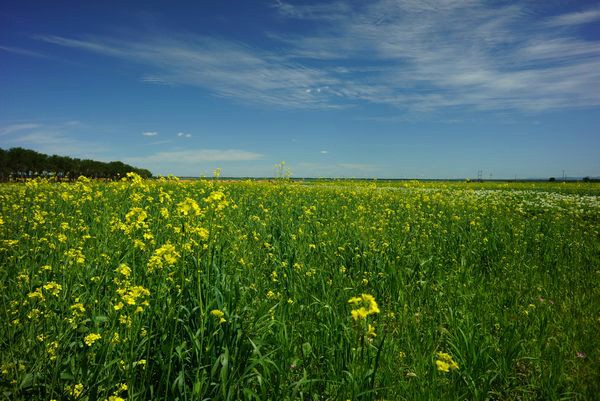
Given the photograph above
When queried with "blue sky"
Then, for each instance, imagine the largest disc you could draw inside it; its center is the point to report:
(384, 88)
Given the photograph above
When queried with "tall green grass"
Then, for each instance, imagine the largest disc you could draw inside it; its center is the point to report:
(225, 291)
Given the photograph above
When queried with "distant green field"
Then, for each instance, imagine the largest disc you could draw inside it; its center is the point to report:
(324, 290)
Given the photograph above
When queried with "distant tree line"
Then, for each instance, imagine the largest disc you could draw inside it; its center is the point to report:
(20, 163)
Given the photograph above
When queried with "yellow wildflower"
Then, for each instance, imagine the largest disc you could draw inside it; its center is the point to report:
(51, 349)
(53, 288)
(445, 363)
(75, 390)
(366, 306)
(189, 206)
(33, 314)
(78, 309)
(219, 314)
(165, 254)
(131, 295)
(36, 294)
(90, 339)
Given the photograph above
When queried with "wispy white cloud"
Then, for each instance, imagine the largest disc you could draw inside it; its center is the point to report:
(227, 68)
(54, 138)
(575, 18)
(184, 135)
(150, 133)
(427, 56)
(9, 129)
(153, 80)
(97, 47)
(196, 156)
(324, 152)
(416, 55)
(323, 11)
(22, 52)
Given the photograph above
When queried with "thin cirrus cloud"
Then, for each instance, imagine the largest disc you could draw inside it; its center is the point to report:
(226, 68)
(575, 18)
(184, 135)
(419, 56)
(22, 52)
(150, 133)
(9, 129)
(56, 138)
(195, 156)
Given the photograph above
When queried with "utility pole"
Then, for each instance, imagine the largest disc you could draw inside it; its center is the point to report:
(564, 176)
(479, 175)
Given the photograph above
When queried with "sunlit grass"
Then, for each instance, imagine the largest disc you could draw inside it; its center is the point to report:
(341, 290)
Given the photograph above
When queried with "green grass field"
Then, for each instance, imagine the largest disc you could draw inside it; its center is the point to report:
(209, 290)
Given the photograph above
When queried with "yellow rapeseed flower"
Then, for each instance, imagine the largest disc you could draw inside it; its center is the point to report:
(36, 294)
(75, 390)
(53, 288)
(78, 309)
(371, 331)
(189, 207)
(165, 255)
(219, 314)
(51, 349)
(445, 363)
(366, 305)
(131, 294)
(90, 339)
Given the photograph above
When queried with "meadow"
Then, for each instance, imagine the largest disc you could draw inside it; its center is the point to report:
(337, 290)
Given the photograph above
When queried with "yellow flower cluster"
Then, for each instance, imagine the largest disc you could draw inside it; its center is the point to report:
(37, 293)
(165, 255)
(75, 256)
(189, 207)
(90, 339)
(124, 270)
(365, 306)
(217, 200)
(75, 390)
(445, 363)
(219, 314)
(135, 219)
(51, 349)
(77, 312)
(53, 288)
(131, 295)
